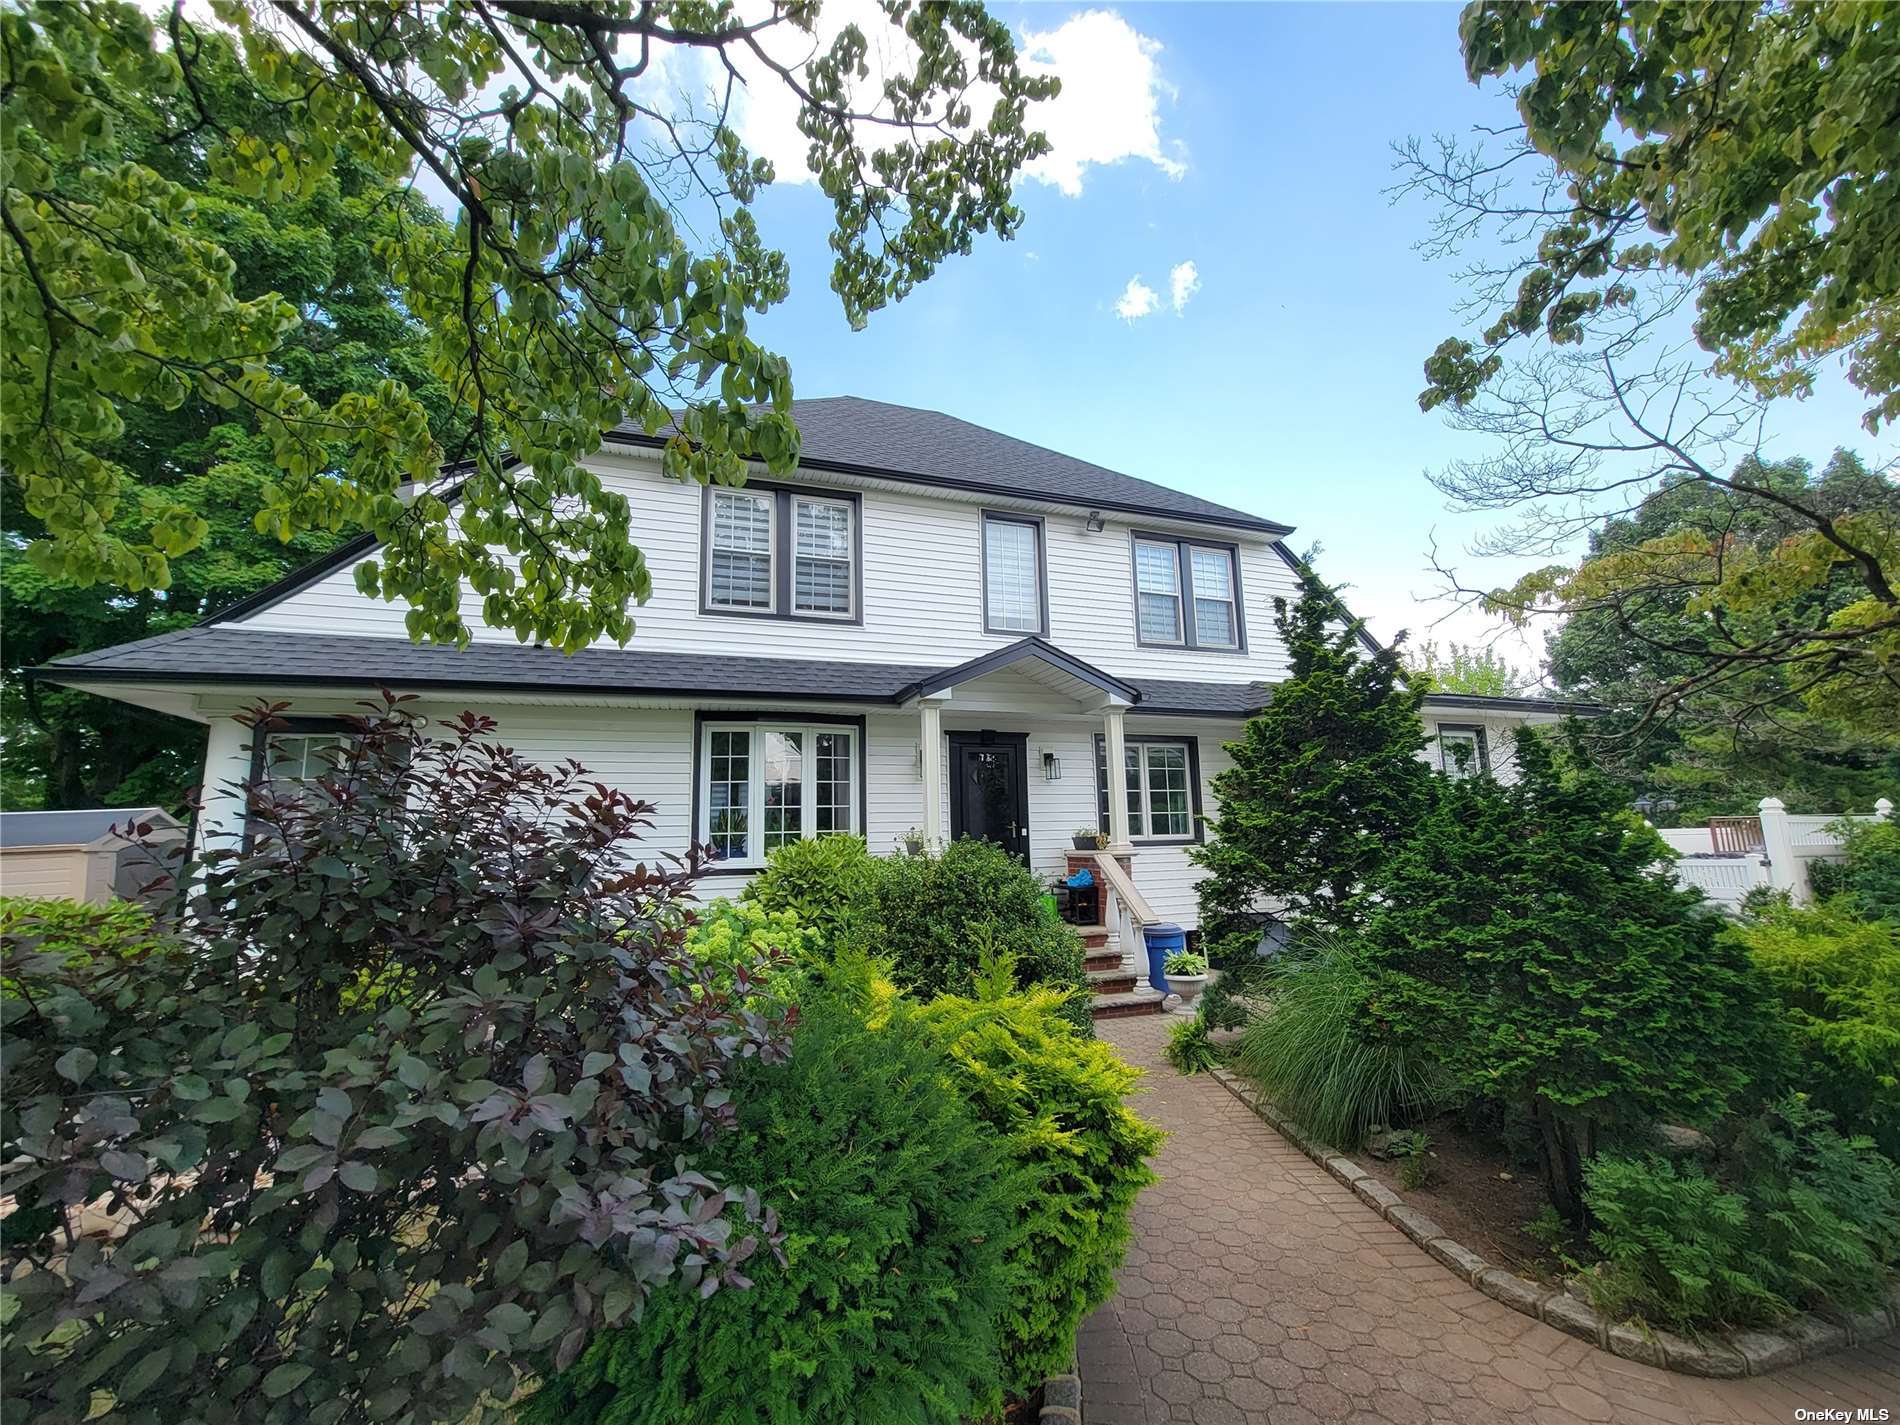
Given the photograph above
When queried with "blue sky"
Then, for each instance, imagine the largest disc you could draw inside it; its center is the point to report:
(1287, 383)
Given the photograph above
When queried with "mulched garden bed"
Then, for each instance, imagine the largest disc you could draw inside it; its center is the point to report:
(1475, 1193)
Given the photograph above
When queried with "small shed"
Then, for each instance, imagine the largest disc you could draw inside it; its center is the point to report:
(81, 855)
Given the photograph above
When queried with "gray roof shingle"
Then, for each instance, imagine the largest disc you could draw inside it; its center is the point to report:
(225, 655)
(71, 828)
(928, 447)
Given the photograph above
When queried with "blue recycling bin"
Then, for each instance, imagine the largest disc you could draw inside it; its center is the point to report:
(1163, 940)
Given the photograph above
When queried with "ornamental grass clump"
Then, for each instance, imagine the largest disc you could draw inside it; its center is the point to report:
(1311, 1052)
(400, 1115)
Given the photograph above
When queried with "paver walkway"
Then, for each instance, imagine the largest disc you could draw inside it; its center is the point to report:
(1259, 1289)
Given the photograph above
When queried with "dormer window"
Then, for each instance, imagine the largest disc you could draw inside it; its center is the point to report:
(1187, 595)
(772, 551)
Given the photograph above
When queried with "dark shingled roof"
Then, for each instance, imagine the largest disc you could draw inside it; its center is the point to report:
(71, 828)
(856, 436)
(226, 655)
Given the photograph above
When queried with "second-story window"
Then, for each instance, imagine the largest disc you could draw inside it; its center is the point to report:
(776, 552)
(741, 555)
(1187, 594)
(1013, 599)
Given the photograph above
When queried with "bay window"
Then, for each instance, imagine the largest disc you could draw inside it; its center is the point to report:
(762, 785)
(1187, 594)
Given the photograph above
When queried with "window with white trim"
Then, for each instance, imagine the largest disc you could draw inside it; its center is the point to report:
(775, 552)
(821, 556)
(1012, 575)
(1158, 782)
(764, 785)
(1461, 750)
(740, 572)
(1187, 594)
(1157, 591)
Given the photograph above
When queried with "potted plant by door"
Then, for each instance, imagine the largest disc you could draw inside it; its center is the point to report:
(1087, 838)
(913, 842)
(1186, 974)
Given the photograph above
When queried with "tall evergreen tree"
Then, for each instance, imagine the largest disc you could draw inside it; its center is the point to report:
(1325, 780)
(1524, 938)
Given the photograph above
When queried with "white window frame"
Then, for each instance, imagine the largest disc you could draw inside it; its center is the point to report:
(766, 498)
(754, 858)
(1469, 734)
(1233, 594)
(1182, 550)
(1139, 828)
(1039, 554)
(850, 508)
(1179, 595)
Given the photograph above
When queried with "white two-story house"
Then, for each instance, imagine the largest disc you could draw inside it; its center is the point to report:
(933, 630)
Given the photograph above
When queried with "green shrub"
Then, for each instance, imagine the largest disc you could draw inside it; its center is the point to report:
(1868, 881)
(826, 882)
(1235, 997)
(76, 932)
(1525, 937)
(1189, 1049)
(934, 917)
(1826, 1207)
(1812, 1219)
(404, 1107)
(1184, 963)
(899, 1212)
(1057, 1100)
(1310, 1053)
(1677, 1246)
(749, 950)
(1837, 978)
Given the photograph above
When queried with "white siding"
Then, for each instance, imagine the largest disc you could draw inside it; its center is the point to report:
(922, 594)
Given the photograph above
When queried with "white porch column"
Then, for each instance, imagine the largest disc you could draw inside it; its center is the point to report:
(1114, 744)
(1777, 841)
(930, 731)
(227, 762)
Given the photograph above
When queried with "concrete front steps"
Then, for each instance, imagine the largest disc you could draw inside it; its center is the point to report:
(1116, 983)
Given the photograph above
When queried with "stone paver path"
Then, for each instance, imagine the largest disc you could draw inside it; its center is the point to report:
(1259, 1289)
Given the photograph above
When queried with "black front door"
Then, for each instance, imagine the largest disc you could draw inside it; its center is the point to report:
(989, 788)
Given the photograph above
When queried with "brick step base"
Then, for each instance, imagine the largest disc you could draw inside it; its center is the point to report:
(1111, 982)
(1120, 1006)
(1102, 960)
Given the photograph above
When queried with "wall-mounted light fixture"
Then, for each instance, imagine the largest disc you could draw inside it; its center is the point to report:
(1051, 767)
(1095, 524)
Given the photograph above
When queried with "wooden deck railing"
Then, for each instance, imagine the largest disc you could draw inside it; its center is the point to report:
(1735, 834)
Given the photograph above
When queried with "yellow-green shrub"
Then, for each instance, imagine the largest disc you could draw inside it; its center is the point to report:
(1058, 1101)
(1838, 980)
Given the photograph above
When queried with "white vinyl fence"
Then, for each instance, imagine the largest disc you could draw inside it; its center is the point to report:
(1733, 855)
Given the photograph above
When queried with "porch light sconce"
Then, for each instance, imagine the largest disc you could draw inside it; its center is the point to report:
(1095, 524)
(1051, 767)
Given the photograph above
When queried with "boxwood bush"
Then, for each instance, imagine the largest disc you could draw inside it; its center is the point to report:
(900, 1214)
(933, 918)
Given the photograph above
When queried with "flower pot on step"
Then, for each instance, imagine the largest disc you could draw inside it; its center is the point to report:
(1189, 987)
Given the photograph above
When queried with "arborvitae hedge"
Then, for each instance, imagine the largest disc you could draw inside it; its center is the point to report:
(1525, 937)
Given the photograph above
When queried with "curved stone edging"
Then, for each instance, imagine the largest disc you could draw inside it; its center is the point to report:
(1724, 1355)
(1062, 1399)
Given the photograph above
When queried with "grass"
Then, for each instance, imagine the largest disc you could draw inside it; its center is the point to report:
(1309, 1056)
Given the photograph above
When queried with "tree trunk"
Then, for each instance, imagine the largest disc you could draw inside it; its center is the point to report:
(1562, 1163)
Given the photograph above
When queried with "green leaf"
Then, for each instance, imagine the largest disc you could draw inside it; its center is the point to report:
(286, 1378)
(76, 1064)
(357, 1175)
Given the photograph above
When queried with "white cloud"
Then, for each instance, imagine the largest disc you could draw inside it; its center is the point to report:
(1109, 107)
(1137, 300)
(1183, 282)
(1108, 110)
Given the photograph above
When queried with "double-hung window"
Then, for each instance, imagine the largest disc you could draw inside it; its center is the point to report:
(1160, 779)
(1462, 751)
(1014, 598)
(763, 785)
(777, 552)
(293, 754)
(1187, 594)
